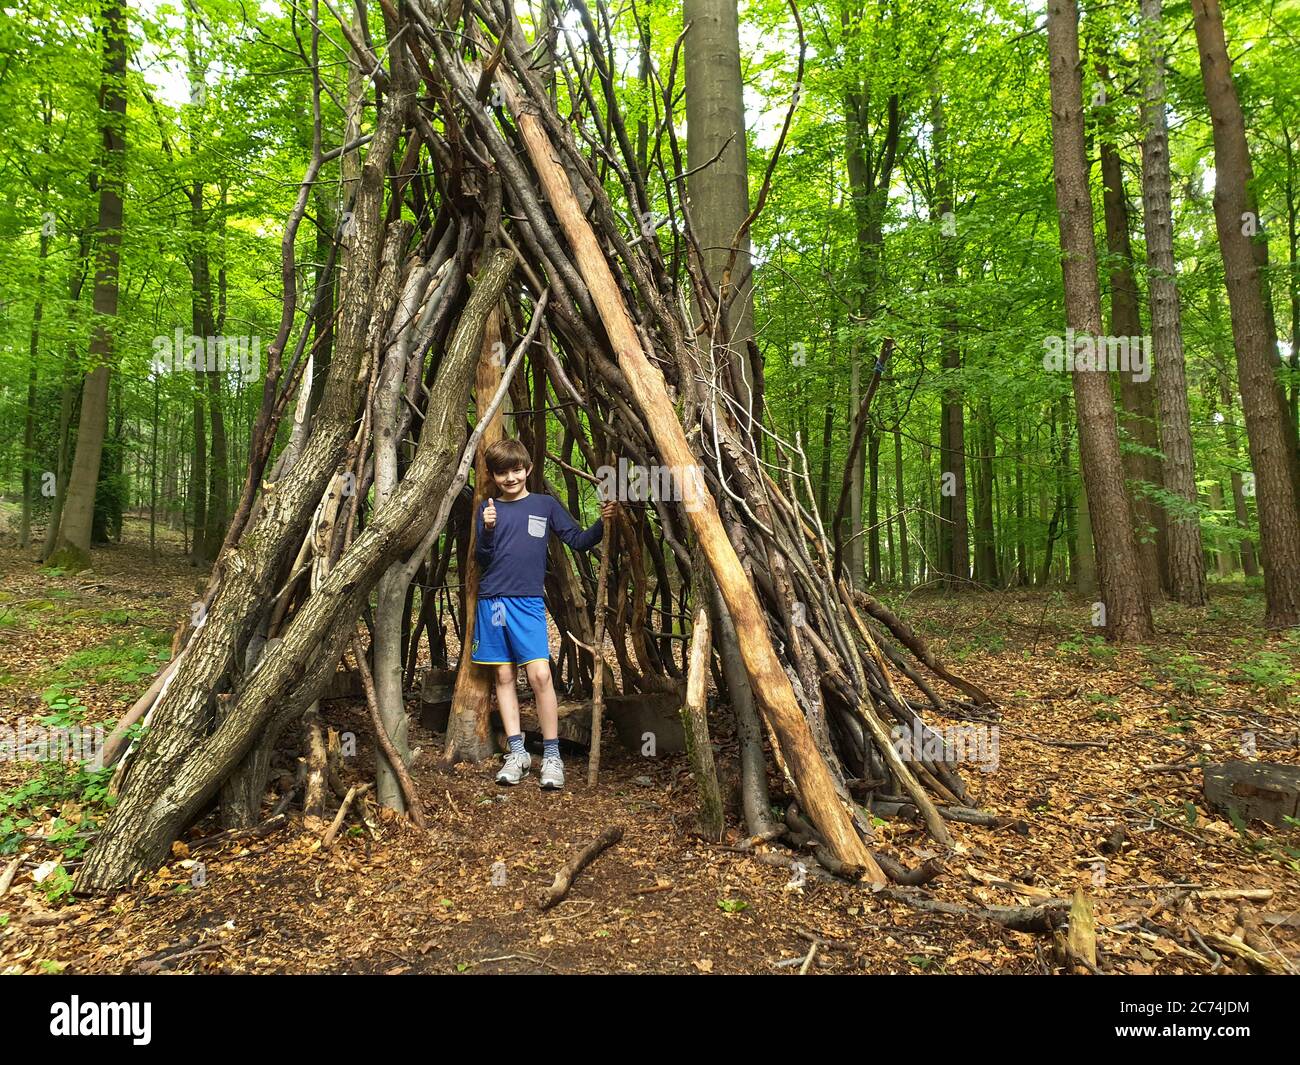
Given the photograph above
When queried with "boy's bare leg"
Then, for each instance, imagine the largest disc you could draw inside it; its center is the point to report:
(508, 698)
(548, 714)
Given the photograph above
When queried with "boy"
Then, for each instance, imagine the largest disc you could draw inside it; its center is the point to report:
(510, 623)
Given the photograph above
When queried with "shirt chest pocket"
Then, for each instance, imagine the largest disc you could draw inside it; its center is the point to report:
(537, 525)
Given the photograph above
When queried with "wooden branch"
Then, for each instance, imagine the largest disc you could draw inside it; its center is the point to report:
(695, 727)
(115, 744)
(918, 647)
(7, 877)
(859, 430)
(598, 651)
(565, 877)
(933, 820)
(381, 737)
(1045, 917)
(354, 792)
(1241, 949)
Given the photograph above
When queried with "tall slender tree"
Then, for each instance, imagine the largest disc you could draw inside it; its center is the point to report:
(1236, 216)
(1139, 420)
(872, 136)
(1184, 564)
(954, 535)
(1128, 614)
(72, 547)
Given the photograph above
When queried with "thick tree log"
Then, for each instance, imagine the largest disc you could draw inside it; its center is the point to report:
(1254, 790)
(251, 569)
(316, 764)
(144, 823)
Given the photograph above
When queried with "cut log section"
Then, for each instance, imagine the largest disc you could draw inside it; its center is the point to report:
(574, 724)
(1256, 791)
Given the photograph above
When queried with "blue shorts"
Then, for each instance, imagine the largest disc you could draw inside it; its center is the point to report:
(510, 630)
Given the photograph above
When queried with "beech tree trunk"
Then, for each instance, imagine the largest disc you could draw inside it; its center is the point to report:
(1236, 215)
(719, 191)
(72, 548)
(29, 419)
(1128, 615)
(1139, 422)
(954, 526)
(870, 157)
(1184, 562)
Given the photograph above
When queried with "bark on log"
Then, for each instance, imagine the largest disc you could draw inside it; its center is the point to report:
(598, 646)
(468, 738)
(145, 821)
(695, 724)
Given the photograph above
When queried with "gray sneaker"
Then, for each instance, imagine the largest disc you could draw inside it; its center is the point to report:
(552, 778)
(515, 768)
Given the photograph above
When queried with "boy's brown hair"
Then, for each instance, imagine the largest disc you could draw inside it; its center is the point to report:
(505, 455)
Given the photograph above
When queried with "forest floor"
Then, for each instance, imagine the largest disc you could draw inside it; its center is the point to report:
(460, 898)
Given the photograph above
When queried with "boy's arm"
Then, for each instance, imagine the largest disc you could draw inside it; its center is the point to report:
(567, 529)
(484, 540)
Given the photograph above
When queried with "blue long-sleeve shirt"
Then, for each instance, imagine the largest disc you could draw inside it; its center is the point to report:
(512, 556)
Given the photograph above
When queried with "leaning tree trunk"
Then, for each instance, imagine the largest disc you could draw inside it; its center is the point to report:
(809, 773)
(292, 675)
(1128, 616)
(1236, 215)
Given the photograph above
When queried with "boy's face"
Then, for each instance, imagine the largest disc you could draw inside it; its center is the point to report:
(512, 482)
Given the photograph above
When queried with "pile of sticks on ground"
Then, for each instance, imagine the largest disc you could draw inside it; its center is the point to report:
(486, 252)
